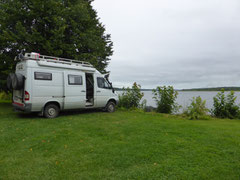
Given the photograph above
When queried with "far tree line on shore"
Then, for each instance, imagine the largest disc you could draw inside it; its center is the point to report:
(194, 89)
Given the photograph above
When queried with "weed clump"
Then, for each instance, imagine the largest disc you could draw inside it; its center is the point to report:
(197, 109)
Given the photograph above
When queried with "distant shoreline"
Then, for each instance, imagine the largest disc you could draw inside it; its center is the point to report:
(213, 89)
(196, 89)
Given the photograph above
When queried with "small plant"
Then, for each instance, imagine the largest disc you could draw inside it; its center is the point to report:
(165, 98)
(131, 97)
(197, 109)
(225, 106)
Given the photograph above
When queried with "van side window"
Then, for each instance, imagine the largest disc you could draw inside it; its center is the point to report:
(102, 83)
(75, 80)
(42, 76)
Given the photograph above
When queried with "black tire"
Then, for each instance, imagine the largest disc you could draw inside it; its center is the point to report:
(110, 107)
(9, 81)
(51, 111)
(17, 81)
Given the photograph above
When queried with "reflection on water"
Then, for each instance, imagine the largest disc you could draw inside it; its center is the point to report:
(184, 97)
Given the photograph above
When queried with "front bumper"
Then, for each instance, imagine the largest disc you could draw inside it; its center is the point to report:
(22, 107)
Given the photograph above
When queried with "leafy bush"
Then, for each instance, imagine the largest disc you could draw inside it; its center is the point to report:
(131, 97)
(197, 109)
(5, 96)
(225, 106)
(165, 98)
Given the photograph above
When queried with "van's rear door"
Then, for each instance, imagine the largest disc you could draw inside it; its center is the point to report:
(18, 95)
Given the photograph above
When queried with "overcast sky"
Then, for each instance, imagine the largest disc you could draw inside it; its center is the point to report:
(183, 43)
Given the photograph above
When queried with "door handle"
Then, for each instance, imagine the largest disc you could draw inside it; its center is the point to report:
(98, 91)
(83, 91)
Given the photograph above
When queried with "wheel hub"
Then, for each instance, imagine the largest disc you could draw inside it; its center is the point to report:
(111, 108)
(51, 111)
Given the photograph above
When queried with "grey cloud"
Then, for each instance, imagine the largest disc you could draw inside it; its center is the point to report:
(181, 43)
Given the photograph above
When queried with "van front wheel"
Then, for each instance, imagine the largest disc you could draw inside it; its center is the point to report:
(51, 111)
(110, 107)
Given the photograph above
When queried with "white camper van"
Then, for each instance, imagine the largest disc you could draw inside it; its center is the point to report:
(48, 85)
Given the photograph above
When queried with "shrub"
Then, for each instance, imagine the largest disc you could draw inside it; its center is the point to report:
(225, 106)
(197, 109)
(165, 98)
(131, 97)
(5, 96)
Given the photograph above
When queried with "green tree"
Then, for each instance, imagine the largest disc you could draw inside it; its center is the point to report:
(165, 98)
(64, 28)
(225, 106)
(131, 98)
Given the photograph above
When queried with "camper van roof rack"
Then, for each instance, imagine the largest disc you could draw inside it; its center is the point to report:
(38, 57)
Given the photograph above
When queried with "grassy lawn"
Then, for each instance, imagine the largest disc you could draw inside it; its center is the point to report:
(122, 145)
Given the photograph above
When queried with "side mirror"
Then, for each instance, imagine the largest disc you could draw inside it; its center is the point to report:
(106, 76)
(113, 90)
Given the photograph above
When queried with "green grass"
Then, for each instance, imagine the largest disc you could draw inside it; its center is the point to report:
(121, 145)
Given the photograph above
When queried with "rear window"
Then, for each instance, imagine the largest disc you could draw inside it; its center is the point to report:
(42, 76)
(74, 80)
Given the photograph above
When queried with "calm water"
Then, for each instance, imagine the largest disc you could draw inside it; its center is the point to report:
(184, 98)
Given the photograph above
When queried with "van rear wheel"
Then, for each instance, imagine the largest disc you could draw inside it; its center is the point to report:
(110, 107)
(51, 111)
